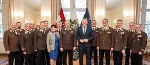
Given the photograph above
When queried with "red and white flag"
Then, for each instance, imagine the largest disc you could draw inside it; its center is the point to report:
(61, 17)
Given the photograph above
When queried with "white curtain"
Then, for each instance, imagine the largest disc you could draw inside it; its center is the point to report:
(128, 13)
(6, 14)
(91, 5)
(49, 10)
(137, 7)
(12, 11)
(100, 11)
(46, 10)
(56, 4)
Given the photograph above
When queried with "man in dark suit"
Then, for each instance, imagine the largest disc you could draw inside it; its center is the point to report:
(120, 41)
(40, 44)
(46, 26)
(27, 43)
(94, 42)
(105, 40)
(19, 30)
(129, 42)
(67, 43)
(138, 45)
(12, 45)
(35, 52)
(47, 29)
(84, 36)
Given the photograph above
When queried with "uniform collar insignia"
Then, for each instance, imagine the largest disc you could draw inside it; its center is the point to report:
(131, 30)
(107, 28)
(46, 28)
(19, 29)
(94, 28)
(27, 31)
(12, 30)
(121, 29)
(32, 29)
(67, 28)
(41, 30)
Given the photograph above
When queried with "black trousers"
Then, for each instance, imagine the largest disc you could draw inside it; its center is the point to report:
(29, 59)
(22, 58)
(117, 57)
(94, 49)
(127, 56)
(59, 58)
(85, 48)
(17, 55)
(136, 59)
(34, 57)
(70, 53)
(47, 58)
(107, 54)
(41, 58)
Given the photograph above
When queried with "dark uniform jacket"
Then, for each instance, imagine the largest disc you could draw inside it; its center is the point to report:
(11, 41)
(67, 39)
(47, 30)
(120, 39)
(40, 39)
(105, 38)
(27, 41)
(139, 42)
(130, 38)
(95, 32)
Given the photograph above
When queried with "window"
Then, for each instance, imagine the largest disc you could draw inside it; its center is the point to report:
(147, 23)
(1, 29)
(78, 5)
(148, 4)
(145, 16)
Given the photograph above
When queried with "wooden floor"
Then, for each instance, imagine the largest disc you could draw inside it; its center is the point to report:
(4, 60)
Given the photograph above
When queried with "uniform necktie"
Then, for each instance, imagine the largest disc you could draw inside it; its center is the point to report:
(67, 29)
(118, 30)
(136, 32)
(104, 28)
(59, 30)
(84, 30)
(15, 32)
(28, 33)
(93, 28)
(43, 32)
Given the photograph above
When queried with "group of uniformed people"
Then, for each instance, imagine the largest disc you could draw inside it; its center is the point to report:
(50, 46)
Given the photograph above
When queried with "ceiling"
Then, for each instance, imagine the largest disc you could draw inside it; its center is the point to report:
(110, 4)
(34, 4)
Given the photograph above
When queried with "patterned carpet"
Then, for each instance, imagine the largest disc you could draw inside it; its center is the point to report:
(4, 61)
